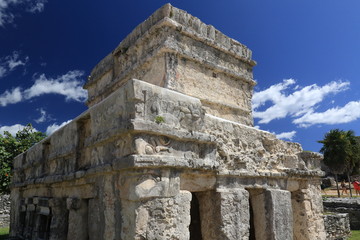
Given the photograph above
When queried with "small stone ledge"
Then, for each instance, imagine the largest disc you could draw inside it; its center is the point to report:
(149, 161)
(309, 173)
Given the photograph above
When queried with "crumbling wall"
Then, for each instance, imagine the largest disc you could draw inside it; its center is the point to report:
(345, 205)
(4, 210)
(337, 226)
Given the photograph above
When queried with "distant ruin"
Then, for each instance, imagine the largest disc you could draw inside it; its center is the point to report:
(173, 155)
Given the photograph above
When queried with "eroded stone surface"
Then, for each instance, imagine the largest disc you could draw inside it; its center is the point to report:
(171, 156)
(337, 226)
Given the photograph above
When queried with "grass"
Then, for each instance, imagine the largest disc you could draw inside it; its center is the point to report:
(355, 235)
(4, 233)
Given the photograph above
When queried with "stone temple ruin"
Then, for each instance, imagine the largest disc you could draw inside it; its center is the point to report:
(173, 155)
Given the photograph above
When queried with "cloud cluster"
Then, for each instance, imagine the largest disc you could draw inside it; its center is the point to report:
(44, 116)
(68, 85)
(7, 8)
(286, 135)
(52, 128)
(302, 103)
(9, 63)
(348, 113)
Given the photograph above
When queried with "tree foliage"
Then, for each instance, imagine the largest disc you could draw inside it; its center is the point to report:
(341, 151)
(10, 147)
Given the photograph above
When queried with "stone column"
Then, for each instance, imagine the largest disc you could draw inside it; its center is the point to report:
(96, 219)
(272, 214)
(78, 219)
(224, 214)
(59, 220)
(308, 210)
(154, 208)
(17, 210)
(29, 218)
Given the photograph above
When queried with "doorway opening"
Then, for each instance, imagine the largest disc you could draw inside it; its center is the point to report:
(195, 223)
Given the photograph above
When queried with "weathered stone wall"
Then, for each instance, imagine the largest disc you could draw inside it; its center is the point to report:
(337, 226)
(345, 205)
(4, 211)
(171, 156)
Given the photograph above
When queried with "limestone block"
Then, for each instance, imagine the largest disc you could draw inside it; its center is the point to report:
(59, 220)
(272, 214)
(173, 108)
(197, 182)
(157, 218)
(110, 114)
(78, 219)
(224, 214)
(63, 141)
(95, 219)
(307, 211)
(162, 183)
(15, 221)
(35, 154)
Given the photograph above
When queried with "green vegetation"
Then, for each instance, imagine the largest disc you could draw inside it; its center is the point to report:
(10, 147)
(4, 233)
(159, 119)
(341, 151)
(355, 235)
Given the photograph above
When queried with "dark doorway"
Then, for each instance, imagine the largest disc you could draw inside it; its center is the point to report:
(195, 224)
(252, 225)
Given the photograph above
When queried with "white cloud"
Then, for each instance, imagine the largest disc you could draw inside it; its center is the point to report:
(52, 128)
(68, 85)
(9, 63)
(296, 104)
(11, 97)
(286, 135)
(7, 14)
(43, 116)
(13, 129)
(14, 60)
(350, 112)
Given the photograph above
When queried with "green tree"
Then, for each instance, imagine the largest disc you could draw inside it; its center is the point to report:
(10, 147)
(341, 153)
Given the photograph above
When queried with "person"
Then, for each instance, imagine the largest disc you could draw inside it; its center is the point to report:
(343, 187)
(356, 184)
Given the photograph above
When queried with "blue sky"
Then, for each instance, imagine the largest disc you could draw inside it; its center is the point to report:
(307, 53)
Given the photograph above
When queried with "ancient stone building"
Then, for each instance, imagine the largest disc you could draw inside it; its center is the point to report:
(167, 150)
